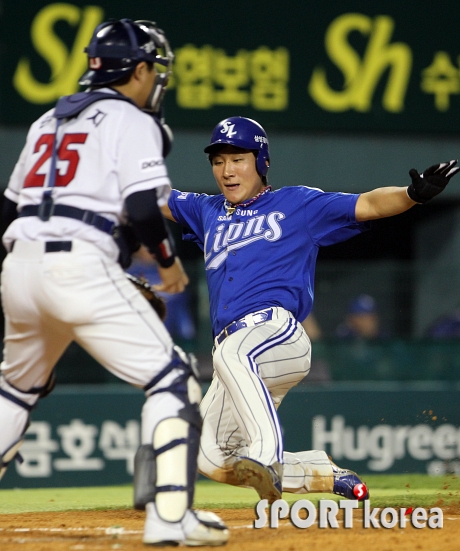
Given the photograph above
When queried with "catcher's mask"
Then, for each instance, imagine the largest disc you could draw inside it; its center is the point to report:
(244, 133)
(117, 46)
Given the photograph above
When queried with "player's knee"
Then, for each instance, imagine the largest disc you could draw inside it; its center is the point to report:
(48, 387)
(207, 468)
(11, 453)
(210, 458)
(12, 436)
(203, 463)
(184, 386)
(27, 399)
(180, 376)
(15, 406)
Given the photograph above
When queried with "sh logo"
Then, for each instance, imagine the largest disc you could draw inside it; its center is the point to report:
(228, 129)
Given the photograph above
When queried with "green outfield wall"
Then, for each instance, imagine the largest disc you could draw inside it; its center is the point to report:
(343, 66)
(352, 93)
(88, 435)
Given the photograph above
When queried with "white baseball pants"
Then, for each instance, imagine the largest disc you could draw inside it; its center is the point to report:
(53, 298)
(254, 369)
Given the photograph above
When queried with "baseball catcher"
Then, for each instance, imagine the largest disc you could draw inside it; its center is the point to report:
(90, 167)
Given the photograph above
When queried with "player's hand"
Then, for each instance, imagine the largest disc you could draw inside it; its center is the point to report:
(174, 279)
(432, 181)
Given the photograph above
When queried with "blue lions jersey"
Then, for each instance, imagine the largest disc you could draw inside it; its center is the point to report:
(264, 254)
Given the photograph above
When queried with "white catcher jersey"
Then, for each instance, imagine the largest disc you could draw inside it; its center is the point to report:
(109, 151)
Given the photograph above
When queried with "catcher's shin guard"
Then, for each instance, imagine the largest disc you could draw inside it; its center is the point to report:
(9, 455)
(15, 408)
(173, 487)
(145, 476)
(165, 471)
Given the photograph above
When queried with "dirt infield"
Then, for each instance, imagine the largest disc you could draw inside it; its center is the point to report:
(122, 530)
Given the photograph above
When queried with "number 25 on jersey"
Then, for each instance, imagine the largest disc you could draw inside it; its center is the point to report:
(65, 153)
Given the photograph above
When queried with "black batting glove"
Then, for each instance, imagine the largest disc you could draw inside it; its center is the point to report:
(432, 181)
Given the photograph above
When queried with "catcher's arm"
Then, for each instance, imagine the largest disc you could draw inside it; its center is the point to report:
(156, 302)
(149, 225)
(174, 279)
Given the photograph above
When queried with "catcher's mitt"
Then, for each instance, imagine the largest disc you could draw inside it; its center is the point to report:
(156, 302)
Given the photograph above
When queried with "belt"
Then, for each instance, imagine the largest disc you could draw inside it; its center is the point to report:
(87, 216)
(248, 321)
(54, 246)
(57, 246)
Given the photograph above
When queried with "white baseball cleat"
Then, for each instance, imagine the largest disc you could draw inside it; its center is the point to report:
(197, 528)
(210, 531)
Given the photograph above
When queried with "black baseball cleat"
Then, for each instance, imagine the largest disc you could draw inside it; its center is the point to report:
(265, 480)
(348, 484)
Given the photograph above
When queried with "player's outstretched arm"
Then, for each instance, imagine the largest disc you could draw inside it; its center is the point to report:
(382, 202)
(389, 201)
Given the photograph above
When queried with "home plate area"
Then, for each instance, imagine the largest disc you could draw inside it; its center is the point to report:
(122, 529)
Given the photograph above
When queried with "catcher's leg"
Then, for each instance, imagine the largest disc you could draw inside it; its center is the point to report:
(15, 408)
(32, 345)
(165, 464)
(27, 375)
(14, 418)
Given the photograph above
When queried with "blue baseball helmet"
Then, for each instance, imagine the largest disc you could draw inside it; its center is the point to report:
(244, 133)
(117, 46)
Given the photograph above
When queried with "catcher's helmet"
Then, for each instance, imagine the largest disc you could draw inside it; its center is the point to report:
(117, 46)
(244, 133)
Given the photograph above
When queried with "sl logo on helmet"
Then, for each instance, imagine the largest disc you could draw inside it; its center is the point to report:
(228, 129)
